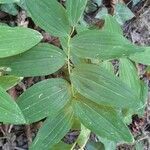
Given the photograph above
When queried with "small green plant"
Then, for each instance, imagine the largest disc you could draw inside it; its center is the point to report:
(89, 92)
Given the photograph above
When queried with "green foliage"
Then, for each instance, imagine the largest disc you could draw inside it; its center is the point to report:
(9, 81)
(10, 112)
(97, 44)
(43, 99)
(9, 8)
(8, 1)
(87, 89)
(42, 59)
(49, 15)
(53, 130)
(16, 40)
(100, 86)
(75, 9)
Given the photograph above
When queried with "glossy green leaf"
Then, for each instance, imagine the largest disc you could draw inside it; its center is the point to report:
(99, 85)
(143, 57)
(50, 16)
(107, 123)
(53, 130)
(112, 25)
(44, 99)
(9, 110)
(16, 40)
(7, 82)
(123, 13)
(101, 45)
(42, 59)
(8, 1)
(75, 9)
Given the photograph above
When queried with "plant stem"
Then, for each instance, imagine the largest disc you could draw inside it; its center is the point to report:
(69, 54)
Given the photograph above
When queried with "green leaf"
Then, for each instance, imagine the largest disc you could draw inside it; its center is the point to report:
(44, 99)
(142, 57)
(139, 145)
(95, 146)
(9, 8)
(9, 110)
(112, 25)
(99, 85)
(129, 75)
(75, 9)
(108, 66)
(62, 145)
(123, 13)
(75, 59)
(50, 16)
(83, 137)
(109, 145)
(135, 1)
(8, 1)
(53, 130)
(42, 59)
(107, 123)
(16, 40)
(7, 82)
(101, 45)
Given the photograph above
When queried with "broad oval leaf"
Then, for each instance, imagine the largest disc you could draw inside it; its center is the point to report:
(42, 59)
(123, 13)
(53, 130)
(101, 45)
(7, 82)
(107, 124)
(75, 9)
(44, 99)
(50, 16)
(9, 8)
(102, 87)
(9, 110)
(16, 40)
(129, 75)
(143, 57)
(8, 1)
(112, 25)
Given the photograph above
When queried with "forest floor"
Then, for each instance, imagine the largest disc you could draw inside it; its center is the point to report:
(137, 30)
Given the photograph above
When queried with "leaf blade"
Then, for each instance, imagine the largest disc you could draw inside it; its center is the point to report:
(44, 99)
(75, 9)
(9, 110)
(53, 130)
(42, 59)
(107, 123)
(7, 82)
(102, 87)
(50, 16)
(17, 40)
(95, 44)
